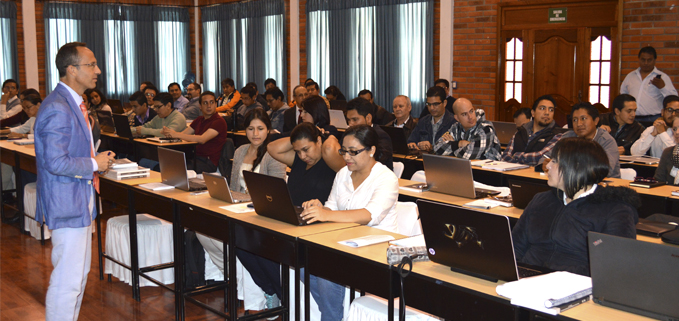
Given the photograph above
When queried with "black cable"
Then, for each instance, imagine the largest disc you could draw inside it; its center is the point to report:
(402, 275)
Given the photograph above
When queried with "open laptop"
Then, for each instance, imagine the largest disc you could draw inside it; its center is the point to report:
(218, 188)
(399, 141)
(116, 106)
(471, 242)
(635, 276)
(173, 171)
(523, 191)
(504, 131)
(453, 176)
(271, 198)
(105, 121)
(122, 125)
(337, 119)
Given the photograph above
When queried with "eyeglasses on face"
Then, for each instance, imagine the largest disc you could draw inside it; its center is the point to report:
(91, 65)
(343, 151)
(672, 110)
(433, 104)
(150, 95)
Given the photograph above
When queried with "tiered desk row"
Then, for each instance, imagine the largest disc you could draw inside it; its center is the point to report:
(431, 287)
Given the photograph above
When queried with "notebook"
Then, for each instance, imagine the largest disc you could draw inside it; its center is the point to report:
(337, 119)
(105, 121)
(116, 106)
(173, 171)
(504, 131)
(453, 176)
(218, 188)
(523, 191)
(271, 198)
(471, 242)
(399, 141)
(122, 125)
(635, 276)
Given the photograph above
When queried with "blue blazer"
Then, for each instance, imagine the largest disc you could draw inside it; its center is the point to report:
(64, 163)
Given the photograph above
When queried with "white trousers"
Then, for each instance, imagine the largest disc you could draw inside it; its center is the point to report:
(71, 258)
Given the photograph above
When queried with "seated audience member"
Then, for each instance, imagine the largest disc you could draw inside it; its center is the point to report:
(552, 232)
(315, 111)
(30, 105)
(248, 157)
(668, 167)
(97, 100)
(277, 107)
(334, 93)
(10, 104)
(21, 117)
(260, 98)
(536, 137)
(621, 124)
(150, 92)
(269, 83)
(142, 113)
(93, 119)
(522, 116)
(191, 110)
(292, 117)
(658, 137)
(382, 116)
(145, 84)
(167, 117)
(360, 112)
(449, 99)
(179, 100)
(472, 137)
(402, 108)
(431, 127)
(230, 98)
(208, 130)
(248, 97)
(312, 88)
(585, 121)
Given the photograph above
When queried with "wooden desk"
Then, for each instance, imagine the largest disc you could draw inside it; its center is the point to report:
(143, 148)
(21, 157)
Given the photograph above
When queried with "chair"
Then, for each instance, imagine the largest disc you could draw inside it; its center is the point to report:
(628, 174)
(226, 160)
(419, 177)
(398, 169)
(30, 224)
(155, 247)
(375, 309)
(407, 219)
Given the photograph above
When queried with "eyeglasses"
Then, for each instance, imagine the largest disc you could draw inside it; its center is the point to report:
(150, 95)
(433, 104)
(672, 110)
(92, 65)
(343, 151)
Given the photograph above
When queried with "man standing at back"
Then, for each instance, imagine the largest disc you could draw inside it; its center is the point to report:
(66, 165)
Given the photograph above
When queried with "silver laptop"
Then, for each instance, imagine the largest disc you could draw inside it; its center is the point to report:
(218, 188)
(173, 171)
(635, 276)
(504, 131)
(452, 176)
(337, 119)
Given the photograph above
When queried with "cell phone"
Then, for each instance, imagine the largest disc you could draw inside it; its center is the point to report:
(658, 77)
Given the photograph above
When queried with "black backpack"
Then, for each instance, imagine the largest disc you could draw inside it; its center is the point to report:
(194, 259)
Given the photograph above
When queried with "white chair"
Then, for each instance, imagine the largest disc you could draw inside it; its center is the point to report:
(370, 308)
(30, 204)
(398, 169)
(628, 174)
(154, 241)
(407, 219)
(419, 177)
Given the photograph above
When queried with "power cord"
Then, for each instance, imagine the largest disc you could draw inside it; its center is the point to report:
(402, 275)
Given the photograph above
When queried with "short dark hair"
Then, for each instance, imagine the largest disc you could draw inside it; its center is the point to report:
(10, 81)
(251, 91)
(275, 92)
(362, 106)
(365, 91)
(313, 83)
(151, 87)
(582, 162)
(270, 81)
(316, 107)
(197, 85)
(367, 136)
(591, 110)
(332, 90)
(29, 91)
(228, 81)
(67, 56)
(33, 98)
(648, 50)
(207, 93)
(147, 83)
(668, 100)
(305, 130)
(164, 98)
(253, 85)
(525, 111)
(541, 98)
(308, 80)
(258, 113)
(442, 81)
(619, 102)
(139, 97)
(437, 91)
(173, 84)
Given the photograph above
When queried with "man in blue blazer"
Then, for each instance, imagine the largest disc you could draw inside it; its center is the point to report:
(66, 177)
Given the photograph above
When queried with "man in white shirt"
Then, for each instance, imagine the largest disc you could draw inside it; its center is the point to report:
(9, 101)
(648, 85)
(659, 136)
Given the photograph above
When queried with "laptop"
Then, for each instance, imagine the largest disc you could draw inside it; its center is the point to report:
(453, 176)
(635, 276)
(399, 141)
(218, 188)
(337, 119)
(523, 191)
(106, 121)
(122, 125)
(271, 198)
(116, 106)
(173, 171)
(471, 242)
(504, 131)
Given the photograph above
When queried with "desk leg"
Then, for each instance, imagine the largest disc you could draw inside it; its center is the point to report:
(178, 231)
(101, 253)
(232, 296)
(20, 195)
(390, 299)
(134, 251)
(285, 291)
(307, 291)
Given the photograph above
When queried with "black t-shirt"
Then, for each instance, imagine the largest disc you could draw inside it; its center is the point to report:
(314, 183)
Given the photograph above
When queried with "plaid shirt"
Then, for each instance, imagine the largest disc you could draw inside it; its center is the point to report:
(531, 158)
(483, 143)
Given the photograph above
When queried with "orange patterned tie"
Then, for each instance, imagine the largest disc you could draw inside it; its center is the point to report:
(95, 180)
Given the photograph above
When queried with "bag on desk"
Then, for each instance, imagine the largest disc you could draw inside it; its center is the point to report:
(671, 237)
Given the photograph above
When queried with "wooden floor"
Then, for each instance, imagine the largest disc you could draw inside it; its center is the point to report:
(25, 268)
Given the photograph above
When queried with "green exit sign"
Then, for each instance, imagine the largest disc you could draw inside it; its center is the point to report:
(558, 15)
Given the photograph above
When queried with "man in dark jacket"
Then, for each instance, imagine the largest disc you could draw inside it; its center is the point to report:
(621, 124)
(431, 127)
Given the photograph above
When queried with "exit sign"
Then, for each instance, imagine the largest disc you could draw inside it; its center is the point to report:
(558, 15)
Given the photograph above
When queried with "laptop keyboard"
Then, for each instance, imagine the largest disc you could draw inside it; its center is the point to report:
(196, 184)
(239, 197)
(525, 272)
(483, 193)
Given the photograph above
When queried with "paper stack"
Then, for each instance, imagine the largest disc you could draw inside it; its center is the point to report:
(550, 293)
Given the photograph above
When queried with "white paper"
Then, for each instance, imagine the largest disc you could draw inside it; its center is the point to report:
(417, 240)
(532, 292)
(367, 240)
(480, 204)
(238, 208)
(156, 186)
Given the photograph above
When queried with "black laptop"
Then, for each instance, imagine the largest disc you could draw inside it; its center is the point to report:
(399, 141)
(271, 198)
(122, 125)
(523, 191)
(105, 121)
(116, 106)
(635, 276)
(471, 242)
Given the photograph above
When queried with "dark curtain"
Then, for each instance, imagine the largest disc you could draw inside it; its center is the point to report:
(8, 35)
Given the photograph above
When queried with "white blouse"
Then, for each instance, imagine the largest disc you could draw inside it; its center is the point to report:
(243, 168)
(378, 194)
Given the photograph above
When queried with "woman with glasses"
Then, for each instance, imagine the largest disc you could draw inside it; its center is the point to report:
(552, 231)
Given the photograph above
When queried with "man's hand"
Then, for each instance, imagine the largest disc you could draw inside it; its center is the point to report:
(659, 126)
(5, 97)
(412, 146)
(168, 132)
(447, 137)
(16, 135)
(606, 127)
(621, 150)
(658, 82)
(105, 160)
(425, 145)
(462, 143)
(138, 130)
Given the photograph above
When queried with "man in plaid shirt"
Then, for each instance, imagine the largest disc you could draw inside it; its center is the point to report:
(535, 138)
(472, 137)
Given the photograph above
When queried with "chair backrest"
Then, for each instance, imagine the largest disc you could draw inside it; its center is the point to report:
(398, 169)
(407, 219)
(628, 174)
(226, 160)
(419, 177)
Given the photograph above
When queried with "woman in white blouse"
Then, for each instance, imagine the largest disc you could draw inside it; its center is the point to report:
(364, 191)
